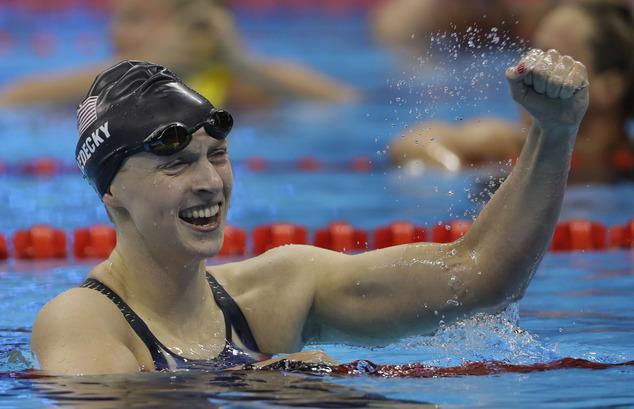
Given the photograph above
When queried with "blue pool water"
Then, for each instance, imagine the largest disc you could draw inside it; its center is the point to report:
(579, 304)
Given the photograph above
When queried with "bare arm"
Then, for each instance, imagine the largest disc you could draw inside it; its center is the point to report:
(50, 88)
(450, 146)
(385, 294)
(82, 332)
(274, 78)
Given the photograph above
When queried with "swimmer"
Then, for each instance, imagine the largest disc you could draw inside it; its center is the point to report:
(598, 33)
(155, 151)
(201, 41)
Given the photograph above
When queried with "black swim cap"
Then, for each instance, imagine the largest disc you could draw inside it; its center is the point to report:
(125, 104)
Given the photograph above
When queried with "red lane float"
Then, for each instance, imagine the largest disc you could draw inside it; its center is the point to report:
(622, 236)
(399, 232)
(96, 241)
(235, 243)
(256, 164)
(577, 235)
(309, 164)
(341, 236)
(42, 166)
(361, 164)
(39, 242)
(4, 251)
(266, 237)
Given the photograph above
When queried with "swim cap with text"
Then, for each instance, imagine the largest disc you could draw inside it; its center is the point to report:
(125, 104)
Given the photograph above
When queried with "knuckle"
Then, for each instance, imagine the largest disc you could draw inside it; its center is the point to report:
(567, 60)
(578, 65)
(541, 69)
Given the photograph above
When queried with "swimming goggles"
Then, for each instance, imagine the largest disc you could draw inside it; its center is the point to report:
(175, 136)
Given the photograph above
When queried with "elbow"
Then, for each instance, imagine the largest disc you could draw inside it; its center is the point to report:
(496, 298)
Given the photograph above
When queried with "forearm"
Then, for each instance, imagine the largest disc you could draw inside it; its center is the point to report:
(512, 233)
(49, 88)
(284, 80)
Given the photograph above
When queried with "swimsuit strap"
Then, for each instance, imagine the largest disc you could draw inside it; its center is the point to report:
(234, 318)
(137, 324)
(235, 323)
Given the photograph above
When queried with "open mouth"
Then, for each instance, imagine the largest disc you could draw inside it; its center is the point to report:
(200, 216)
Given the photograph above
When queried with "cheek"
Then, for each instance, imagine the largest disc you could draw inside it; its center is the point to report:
(226, 174)
(162, 197)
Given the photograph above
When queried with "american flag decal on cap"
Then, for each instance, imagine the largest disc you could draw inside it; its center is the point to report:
(86, 114)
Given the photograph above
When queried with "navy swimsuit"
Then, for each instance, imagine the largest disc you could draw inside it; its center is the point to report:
(240, 346)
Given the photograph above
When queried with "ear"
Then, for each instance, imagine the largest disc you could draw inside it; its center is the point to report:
(607, 89)
(110, 199)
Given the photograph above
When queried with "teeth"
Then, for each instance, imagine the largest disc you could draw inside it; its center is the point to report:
(206, 211)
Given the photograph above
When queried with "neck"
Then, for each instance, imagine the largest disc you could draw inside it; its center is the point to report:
(158, 282)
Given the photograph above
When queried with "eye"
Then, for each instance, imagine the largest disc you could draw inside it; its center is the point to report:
(218, 155)
(174, 166)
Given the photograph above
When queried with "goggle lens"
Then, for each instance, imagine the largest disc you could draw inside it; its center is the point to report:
(219, 124)
(170, 140)
(176, 136)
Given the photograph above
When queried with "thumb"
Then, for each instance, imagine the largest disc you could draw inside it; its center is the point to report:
(518, 77)
(517, 73)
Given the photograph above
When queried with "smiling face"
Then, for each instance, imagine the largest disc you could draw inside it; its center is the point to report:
(175, 204)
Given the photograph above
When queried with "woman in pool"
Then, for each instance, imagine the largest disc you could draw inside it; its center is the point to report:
(598, 33)
(200, 41)
(155, 151)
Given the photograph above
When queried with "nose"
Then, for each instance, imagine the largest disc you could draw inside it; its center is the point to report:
(206, 177)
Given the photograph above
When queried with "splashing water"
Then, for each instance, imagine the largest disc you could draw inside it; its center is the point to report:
(479, 346)
(480, 338)
(458, 70)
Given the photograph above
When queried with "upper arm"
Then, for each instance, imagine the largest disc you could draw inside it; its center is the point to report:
(386, 294)
(79, 333)
(295, 294)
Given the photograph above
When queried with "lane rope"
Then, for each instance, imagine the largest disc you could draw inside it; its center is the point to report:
(98, 240)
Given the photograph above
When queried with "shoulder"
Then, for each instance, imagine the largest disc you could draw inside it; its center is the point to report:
(278, 266)
(76, 325)
(276, 291)
(74, 312)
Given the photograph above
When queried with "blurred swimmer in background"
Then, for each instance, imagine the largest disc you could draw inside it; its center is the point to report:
(200, 40)
(598, 33)
(417, 19)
